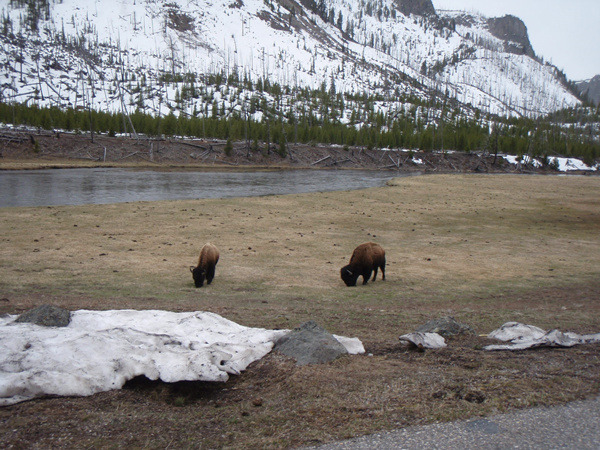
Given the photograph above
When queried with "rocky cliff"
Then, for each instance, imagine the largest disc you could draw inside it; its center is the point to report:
(513, 32)
(590, 89)
(417, 7)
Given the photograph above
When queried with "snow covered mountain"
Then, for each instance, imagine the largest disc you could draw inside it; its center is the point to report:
(162, 56)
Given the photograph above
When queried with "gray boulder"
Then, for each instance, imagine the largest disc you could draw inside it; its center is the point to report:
(310, 344)
(46, 315)
(445, 326)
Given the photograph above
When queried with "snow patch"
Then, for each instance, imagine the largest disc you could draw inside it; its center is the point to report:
(562, 164)
(520, 337)
(101, 350)
(566, 164)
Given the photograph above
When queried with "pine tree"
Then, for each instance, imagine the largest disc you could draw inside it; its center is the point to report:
(282, 147)
(228, 147)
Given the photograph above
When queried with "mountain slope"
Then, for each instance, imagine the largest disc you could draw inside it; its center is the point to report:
(163, 56)
(590, 89)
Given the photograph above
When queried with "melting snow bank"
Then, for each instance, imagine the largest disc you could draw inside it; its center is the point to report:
(424, 340)
(521, 337)
(561, 164)
(101, 350)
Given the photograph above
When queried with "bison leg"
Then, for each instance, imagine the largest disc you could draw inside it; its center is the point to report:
(374, 274)
(366, 276)
(383, 271)
(210, 275)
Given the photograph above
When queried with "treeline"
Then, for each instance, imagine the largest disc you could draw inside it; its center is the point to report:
(516, 136)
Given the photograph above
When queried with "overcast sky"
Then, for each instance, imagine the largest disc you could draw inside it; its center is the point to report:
(564, 32)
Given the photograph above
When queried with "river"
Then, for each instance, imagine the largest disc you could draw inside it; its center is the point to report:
(109, 185)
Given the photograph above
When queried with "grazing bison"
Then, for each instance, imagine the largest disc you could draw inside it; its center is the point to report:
(365, 259)
(209, 257)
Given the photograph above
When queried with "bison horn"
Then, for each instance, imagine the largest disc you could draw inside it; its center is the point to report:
(349, 273)
(192, 269)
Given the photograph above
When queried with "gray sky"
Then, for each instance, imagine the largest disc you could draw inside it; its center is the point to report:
(564, 32)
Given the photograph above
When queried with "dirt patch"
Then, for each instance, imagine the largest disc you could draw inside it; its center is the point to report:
(483, 249)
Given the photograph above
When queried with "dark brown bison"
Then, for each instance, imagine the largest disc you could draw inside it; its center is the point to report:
(365, 259)
(209, 257)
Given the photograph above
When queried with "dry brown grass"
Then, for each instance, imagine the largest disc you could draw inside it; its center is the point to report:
(486, 249)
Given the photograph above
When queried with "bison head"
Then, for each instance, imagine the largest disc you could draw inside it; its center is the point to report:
(199, 275)
(348, 276)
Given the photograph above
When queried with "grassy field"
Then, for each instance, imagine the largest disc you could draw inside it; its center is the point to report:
(484, 249)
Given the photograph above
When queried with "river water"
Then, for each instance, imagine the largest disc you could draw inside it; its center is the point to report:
(107, 185)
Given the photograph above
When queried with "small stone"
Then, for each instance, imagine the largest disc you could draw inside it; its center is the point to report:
(46, 315)
(475, 397)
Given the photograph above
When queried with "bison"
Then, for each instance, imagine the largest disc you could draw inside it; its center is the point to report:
(365, 259)
(209, 257)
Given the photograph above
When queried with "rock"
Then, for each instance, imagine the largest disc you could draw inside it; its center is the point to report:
(423, 340)
(590, 88)
(445, 326)
(417, 7)
(47, 316)
(310, 344)
(513, 32)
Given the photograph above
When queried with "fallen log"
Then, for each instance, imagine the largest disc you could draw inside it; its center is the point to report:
(321, 160)
(397, 164)
(12, 139)
(129, 155)
(206, 155)
(201, 155)
(193, 145)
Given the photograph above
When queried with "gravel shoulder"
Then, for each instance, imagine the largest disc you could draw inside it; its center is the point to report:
(574, 425)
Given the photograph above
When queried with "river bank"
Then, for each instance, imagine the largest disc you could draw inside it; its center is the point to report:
(27, 149)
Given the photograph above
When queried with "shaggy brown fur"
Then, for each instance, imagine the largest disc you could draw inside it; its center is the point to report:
(209, 257)
(365, 259)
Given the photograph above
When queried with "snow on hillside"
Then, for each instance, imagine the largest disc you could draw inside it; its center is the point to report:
(128, 54)
(513, 83)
